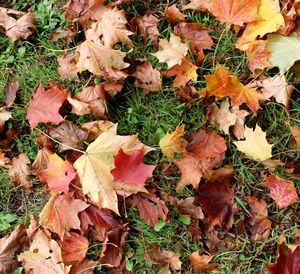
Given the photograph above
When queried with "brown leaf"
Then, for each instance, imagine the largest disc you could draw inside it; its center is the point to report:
(9, 246)
(41, 159)
(66, 62)
(4, 116)
(147, 78)
(201, 262)
(156, 255)
(174, 15)
(10, 92)
(200, 5)
(95, 128)
(68, 134)
(66, 34)
(296, 134)
(84, 267)
(20, 172)
(151, 208)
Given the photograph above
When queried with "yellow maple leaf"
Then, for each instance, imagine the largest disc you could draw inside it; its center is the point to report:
(173, 142)
(95, 165)
(255, 145)
(269, 20)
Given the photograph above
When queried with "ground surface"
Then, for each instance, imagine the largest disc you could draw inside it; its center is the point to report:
(33, 61)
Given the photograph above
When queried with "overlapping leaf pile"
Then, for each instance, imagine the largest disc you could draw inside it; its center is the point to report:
(91, 188)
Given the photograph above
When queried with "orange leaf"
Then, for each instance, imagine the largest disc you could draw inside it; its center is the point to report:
(201, 262)
(174, 15)
(258, 55)
(222, 84)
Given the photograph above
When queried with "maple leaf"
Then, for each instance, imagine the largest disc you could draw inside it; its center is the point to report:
(115, 21)
(156, 255)
(83, 267)
(97, 58)
(196, 36)
(184, 72)
(236, 12)
(9, 246)
(259, 221)
(201, 262)
(19, 171)
(74, 248)
(60, 214)
(173, 14)
(66, 62)
(171, 52)
(151, 208)
(173, 142)
(45, 104)
(44, 256)
(216, 200)
(147, 78)
(276, 87)
(282, 191)
(58, 174)
(269, 20)
(96, 128)
(258, 55)
(10, 92)
(70, 135)
(113, 246)
(296, 134)
(94, 166)
(206, 150)
(222, 84)
(285, 50)
(200, 5)
(255, 144)
(288, 261)
(130, 172)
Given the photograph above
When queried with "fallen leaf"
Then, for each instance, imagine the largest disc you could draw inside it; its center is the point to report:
(41, 159)
(173, 142)
(173, 14)
(60, 214)
(234, 12)
(200, 5)
(206, 150)
(10, 92)
(69, 135)
(44, 256)
(288, 262)
(171, 52)
(4, 116)
(74, 248)
(269, 20)
(113, 20)
(150, 207)
(282, 191)
(20, 172)
(184, 72)
(222, 84)
(66, 34)
(10, 245)
(84, 267)
(296, 134)
(45, 104)
(147, 78)
(156, 255)
(94, 166)
(216, 200)
(260, 224)
(285, 50)
(66, 62)
(130, 172)
(97, 58)
(255, 144)
(258, 55)
(95, 128)
(58, 174)
(201, 262)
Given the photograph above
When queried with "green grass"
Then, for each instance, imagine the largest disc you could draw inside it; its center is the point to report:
(34, 61)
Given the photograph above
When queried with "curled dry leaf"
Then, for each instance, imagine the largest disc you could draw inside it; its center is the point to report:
(296, 134)
(9, 245)
(45, 104)
(173, 142)
(174, 15)
(69, 135)
(66, 62)
(156, 255)
(259, 221)
(60, 214)
(11, 92)
(96, 128)
(255, 144)
(4, 116)
(206, 150)
(150, 207)
(201, 262)
(171, 52)
(20, 172)
(58, 174)
(147, 78)
(282, 191)
(66, 34)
